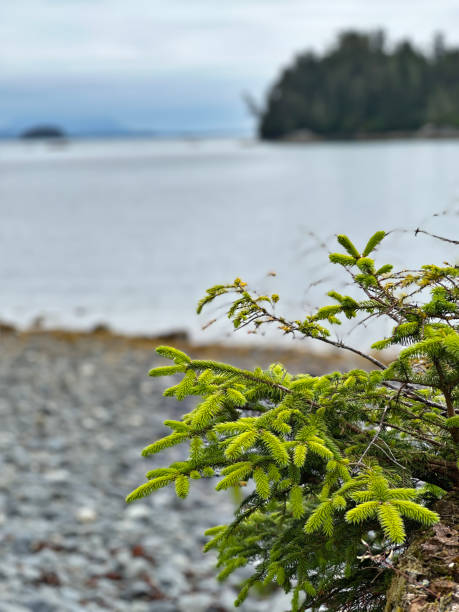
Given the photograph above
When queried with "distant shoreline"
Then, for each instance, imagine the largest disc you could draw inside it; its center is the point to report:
(425, 133)
(249, 356)
(293, 138)
(173, 135)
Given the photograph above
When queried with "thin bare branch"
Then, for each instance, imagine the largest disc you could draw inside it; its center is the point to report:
(421, 231)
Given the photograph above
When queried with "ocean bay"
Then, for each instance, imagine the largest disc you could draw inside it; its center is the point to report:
(131, 233)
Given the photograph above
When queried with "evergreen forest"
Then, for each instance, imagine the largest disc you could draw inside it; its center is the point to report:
(361, 88)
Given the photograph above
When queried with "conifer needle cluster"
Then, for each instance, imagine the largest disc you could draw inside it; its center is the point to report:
(331, 464)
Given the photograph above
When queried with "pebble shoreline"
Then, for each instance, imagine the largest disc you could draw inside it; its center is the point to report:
(75, 416)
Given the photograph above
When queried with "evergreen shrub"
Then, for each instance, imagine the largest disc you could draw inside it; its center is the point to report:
(340, 467)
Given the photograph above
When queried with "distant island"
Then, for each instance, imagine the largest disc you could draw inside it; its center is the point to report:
(359, 89)
(43, 132)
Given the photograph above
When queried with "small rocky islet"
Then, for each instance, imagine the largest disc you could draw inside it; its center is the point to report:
(75, 414)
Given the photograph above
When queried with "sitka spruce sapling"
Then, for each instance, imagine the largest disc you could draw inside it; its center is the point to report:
(340, 469)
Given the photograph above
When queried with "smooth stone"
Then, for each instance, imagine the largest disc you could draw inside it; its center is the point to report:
(69, 593)
(138, 512)
(36, 493)
(107, 588)
(41, 605)
(137, 566)
(105, 442)
(8, 570)
(59, 476)
(123, 557)
(163, 606)
(195, 602)
(47, 558)
(210, 585)
(170, 581)
(56, 444)
(89, 423)
(140, 606)
(30, 572)
(86, 515)
(136, 420)
(87, 369)
(21, 545)
(179, 561)
(137, 589)
(227, 597)
(101, 413)
(77, 561)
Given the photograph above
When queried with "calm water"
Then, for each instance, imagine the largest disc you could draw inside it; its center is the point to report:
(131, 233)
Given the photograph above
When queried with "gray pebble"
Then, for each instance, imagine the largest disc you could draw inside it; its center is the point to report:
(10, 607)
(163, 606)
(75, 417)
(195, 602)
(40, 605)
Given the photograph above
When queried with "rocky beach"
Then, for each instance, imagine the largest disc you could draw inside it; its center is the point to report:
(76, 410)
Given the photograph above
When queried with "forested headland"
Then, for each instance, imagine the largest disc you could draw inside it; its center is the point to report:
(361, 88)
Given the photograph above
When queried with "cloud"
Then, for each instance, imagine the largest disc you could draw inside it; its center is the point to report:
(194, 56)
(243, 36)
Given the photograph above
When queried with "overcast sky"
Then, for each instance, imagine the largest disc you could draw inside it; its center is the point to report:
(176, 64)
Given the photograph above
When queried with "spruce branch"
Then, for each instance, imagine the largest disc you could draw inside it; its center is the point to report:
(324, 460)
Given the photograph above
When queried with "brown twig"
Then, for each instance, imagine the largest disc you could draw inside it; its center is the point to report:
(421, 231)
